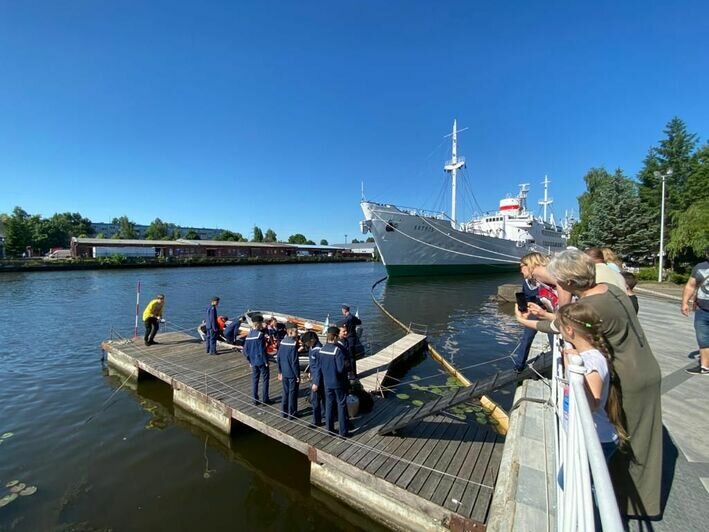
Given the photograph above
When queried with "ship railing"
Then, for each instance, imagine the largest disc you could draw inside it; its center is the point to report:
(414, 211)
(582, 470)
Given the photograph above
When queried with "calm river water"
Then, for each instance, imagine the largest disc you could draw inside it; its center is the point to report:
(136, 462)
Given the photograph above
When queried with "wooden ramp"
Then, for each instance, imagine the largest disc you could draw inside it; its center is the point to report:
(437, 475)
(461, 395)
(373, 370)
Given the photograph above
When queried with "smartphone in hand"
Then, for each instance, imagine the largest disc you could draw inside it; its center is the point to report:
(521, 302)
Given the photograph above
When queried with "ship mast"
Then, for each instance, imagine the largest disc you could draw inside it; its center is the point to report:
(547, 200)
(452, 166)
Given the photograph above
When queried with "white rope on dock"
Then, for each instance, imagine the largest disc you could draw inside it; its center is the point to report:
(274, 411)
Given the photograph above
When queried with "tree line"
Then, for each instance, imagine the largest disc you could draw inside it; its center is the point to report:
(623, 213)
(23, 230)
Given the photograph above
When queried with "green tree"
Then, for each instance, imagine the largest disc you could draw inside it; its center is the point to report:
(370, 239)
(355, 241)
(698, 180)
(175, 234)
(676, 152)
(297, 238)
(157, 230)
(192, 235)
(126, 228)
(612, 215)
(691, 231)
(309, 243)
(270, 236)
(258, 234)
(323, 242)
(230, 236)
(18, 233)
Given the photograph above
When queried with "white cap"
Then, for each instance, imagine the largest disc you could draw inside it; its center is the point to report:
(307, 325)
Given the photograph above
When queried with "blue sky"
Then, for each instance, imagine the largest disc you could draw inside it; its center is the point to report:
(272, 113)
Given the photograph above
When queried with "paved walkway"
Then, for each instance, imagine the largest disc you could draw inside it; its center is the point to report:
(685, 415)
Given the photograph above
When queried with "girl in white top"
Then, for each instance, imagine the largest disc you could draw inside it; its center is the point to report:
(579, 325)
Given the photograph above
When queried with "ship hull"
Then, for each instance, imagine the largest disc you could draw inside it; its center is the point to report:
(412, 244)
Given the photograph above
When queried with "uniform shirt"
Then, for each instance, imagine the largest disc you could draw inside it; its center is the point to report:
(593, 360)
(255, 348)
(212, 323)
(351, 322)
(153, 310)
(314, 360)
(231, 330)
(288, 358)
(342, 344)
(701, 274)
(332, 366)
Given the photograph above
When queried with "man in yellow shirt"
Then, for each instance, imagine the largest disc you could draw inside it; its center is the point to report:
(151, 317)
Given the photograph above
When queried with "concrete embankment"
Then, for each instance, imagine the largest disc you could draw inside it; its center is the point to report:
(107, 263)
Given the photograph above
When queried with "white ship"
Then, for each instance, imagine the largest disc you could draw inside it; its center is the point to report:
(417, 242)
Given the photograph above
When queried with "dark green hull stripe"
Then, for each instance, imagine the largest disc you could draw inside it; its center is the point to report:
(449, 269)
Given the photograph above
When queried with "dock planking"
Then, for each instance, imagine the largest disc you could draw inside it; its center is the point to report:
(424, 466)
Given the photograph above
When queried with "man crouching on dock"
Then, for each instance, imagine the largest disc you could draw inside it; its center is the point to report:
(255, 351)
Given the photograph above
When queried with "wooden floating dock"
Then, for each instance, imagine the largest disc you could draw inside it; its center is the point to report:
(436, 475)
(373, 370)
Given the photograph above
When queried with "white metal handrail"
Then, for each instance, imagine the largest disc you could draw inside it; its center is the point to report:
(577, 449)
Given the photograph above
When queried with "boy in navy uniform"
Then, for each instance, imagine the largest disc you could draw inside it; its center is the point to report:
(212, 327)
(344, 346)
(289, 370)
(350, 323)
(332, 368)
(317, 395)
(255, 352)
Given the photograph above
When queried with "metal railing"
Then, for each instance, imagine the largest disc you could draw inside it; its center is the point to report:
(579, 456)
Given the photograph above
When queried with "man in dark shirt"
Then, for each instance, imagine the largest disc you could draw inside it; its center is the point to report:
(289, 370)
(212, 327)
(351, 322)
(255, 352)
(331, 365)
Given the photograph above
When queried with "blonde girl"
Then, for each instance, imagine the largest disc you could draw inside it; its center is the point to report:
(580, 325)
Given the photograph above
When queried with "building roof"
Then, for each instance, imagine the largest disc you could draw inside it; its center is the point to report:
(316, 246)
(358, 245)
(180, 242)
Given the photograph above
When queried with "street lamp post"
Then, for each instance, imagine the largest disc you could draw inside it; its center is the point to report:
(664, 176)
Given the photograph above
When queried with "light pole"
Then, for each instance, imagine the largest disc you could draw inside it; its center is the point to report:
(664, 176)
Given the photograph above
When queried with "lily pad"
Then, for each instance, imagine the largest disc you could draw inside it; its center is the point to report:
(12, 483)
(18, 487)
(29, 490)
(7, 499)
(417, 402)
(402, 396)
(6, 435)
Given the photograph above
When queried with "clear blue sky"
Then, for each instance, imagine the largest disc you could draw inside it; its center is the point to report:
(272, 113)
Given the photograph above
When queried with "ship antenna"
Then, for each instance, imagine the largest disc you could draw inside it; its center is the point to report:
(547, 200)
(453, 166)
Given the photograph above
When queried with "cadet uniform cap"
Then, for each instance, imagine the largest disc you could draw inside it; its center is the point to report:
(342, 323)
(290, 325)
(333, 330)
(307, 326)
(257, 319)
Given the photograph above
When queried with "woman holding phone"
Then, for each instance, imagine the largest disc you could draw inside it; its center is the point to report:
(533, 293)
